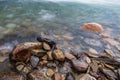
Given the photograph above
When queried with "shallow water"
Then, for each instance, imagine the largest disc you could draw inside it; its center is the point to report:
(24, 20)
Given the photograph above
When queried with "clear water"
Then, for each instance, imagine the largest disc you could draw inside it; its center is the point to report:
(22, 20)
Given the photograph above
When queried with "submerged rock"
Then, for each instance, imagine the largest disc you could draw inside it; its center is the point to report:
(80, 65)
(92, 27)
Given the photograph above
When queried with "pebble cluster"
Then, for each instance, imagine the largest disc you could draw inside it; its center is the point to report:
(44, 60)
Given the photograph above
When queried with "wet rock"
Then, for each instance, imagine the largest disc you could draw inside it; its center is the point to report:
(38, 52)
(51, 65)
(118, 71)
(27, 69)
(91, 50)
(79, 65)
(34, 61)
(46, 46)
(85, 77)
(104, 35)
(112, 42)
(58, 55)
(70, 76)
(92, 27)
(4, 52)
(49, 72)
(118, 47)
(57, 76)
(49, 54)
(109, 52)
(20, 67)
(69, 56)
(11, 76)
(42, 63)
(67, 36)
(108, 73)
(36, 75)
(21, 52)
(3, 58)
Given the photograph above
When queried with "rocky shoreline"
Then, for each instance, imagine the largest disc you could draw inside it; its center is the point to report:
(45, 59)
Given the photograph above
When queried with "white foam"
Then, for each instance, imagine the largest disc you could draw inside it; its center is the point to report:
(90, 1)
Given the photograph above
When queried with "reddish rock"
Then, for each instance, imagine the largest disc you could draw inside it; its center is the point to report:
(92, 27)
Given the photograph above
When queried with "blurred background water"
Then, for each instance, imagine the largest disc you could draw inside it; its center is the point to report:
(22, 20)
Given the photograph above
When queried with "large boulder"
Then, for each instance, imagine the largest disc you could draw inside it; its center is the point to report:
(92, 27)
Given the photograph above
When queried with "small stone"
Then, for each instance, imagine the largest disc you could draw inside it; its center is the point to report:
(92, 27)
(88, 60)
(45, 57)
(80, 65)
(118, 71)
(109, 52)
(34, 61)
(36, 75)
(70, 76)
(3, 58)
(104, 35)
(69, 56)
(85, 77)
(49, 54)
(57, 76)
(26, 69)
(91, 50)
(58, 55)
(4, 52)
(49, 72)
(38, 52)
(112, 42)
(109, 73)
(20, 67)
(46, 46)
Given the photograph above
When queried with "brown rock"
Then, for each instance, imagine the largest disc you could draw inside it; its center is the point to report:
(57, 76)
(49, 72)
(109, 52)
(58, 55)
(36, 75)
(85, 77)
(92, 27)
(11, 76)
(91, 50)
(4, 52)
(69, 56)
(38, 52)
(21, 52)
(108, 73)
(46, 46)
(112, 41)
(3, 58)
(49, 54)
(80, 65)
